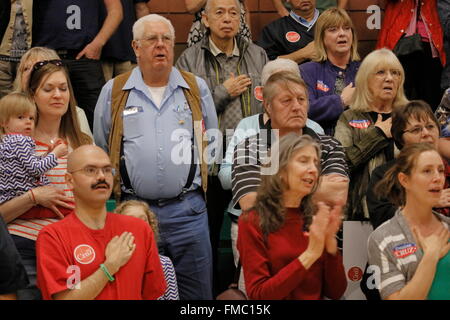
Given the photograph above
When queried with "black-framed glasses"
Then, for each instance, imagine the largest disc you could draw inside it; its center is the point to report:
(92, 171)
(42, 63)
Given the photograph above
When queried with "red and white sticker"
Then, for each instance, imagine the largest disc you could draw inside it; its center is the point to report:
(404, 250)
(360, 124)
(84, 254)
(258, 92)
(355, 274)
(292, 36)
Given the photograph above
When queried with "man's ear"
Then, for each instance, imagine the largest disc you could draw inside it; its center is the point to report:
(205, 20)
(135, 46)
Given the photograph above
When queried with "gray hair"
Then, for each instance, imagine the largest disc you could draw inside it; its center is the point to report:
(278, 65)
(139, 25)
(208, 5)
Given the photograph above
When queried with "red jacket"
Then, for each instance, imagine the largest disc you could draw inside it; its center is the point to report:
(397, 17)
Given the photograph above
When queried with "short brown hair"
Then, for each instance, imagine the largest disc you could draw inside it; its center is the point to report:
(415, 109)
(281, 79)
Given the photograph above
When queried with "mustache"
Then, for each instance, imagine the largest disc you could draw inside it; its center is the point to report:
(100, 183)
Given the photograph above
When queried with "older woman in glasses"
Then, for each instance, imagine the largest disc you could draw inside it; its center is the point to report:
(412, 123)
(365, 129)
(50, 88)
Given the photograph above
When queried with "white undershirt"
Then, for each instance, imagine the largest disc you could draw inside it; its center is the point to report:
(157, 94)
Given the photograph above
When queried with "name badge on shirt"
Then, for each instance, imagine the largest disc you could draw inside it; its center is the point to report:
(320, 85)
(404, 250)
(360, 124)
(132, 110)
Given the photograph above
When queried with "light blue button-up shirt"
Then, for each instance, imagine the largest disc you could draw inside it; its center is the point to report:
(306, 23)
(157, 141)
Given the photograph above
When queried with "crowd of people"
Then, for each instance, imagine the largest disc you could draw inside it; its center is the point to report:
(288, 135)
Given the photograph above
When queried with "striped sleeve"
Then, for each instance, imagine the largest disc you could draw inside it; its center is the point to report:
(33, 164)
(388, 274)
(246, 168)
(332, 158)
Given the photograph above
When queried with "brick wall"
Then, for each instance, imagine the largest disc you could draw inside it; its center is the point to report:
(262, 12)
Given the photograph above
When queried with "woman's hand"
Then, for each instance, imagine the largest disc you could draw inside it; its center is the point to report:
(436, 244)
(50, 197)
(385, 125)
(333, 227)
(317, 235)
(318, 229)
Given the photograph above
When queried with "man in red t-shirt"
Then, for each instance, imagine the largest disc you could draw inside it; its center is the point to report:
(93, 254)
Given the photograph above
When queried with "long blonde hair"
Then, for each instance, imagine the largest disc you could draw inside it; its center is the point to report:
(70, 127)
(363, 98)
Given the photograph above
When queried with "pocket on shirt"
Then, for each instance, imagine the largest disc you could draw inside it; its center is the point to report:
(131, 126)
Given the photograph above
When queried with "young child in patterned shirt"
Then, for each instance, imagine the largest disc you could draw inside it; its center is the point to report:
(141, 210)
(20, 169)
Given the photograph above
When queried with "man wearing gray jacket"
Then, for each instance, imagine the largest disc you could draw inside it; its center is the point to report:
(231, 66)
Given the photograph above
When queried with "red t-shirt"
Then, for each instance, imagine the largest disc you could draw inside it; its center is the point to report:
(271, 267)
(70, 242)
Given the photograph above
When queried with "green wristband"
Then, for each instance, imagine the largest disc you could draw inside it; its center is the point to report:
(106, 272)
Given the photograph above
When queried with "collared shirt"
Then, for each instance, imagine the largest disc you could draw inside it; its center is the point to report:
(304, 22)
(157, 142)
(216, 51)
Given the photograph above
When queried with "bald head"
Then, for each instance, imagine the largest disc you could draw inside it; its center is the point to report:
(82, 156)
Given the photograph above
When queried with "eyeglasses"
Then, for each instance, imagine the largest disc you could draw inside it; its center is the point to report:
(382, 74)
(418, 130)
(42, 63)
(154, 39)
(92, 171)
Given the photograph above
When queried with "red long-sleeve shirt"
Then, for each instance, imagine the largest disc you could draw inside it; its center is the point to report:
(271, 267)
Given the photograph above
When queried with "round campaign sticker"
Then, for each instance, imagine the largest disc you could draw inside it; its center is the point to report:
(355, 274)
(292, 36)
(84, 254)
(258, 93)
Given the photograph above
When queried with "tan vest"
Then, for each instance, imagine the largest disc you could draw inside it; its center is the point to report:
(119, 100)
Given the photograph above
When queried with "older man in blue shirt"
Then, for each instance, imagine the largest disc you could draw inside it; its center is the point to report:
(157, 123)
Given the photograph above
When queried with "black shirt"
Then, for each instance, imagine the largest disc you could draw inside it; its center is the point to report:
(12, 272)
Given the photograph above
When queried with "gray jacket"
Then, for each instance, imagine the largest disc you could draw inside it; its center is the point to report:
(199, 60)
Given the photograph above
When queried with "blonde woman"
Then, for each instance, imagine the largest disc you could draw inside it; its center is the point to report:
(49, 86)
(24, 69)
(331, 76)
(364, 130)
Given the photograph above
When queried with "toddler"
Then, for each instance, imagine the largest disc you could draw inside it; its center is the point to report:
(141, 210)
(20, 169)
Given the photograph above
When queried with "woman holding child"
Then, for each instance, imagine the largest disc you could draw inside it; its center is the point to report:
(49, 87)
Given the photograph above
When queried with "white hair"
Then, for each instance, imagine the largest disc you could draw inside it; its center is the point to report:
(278, 65)
(208, 5)
(139, 25)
